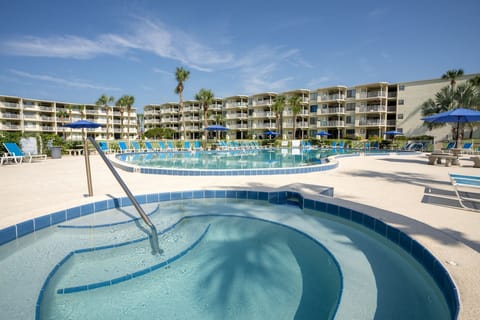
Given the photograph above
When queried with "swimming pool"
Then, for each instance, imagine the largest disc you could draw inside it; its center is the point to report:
(366, 268)
(231, 162)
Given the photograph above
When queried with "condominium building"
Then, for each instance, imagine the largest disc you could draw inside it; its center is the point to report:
(361, 111)
(42, 116)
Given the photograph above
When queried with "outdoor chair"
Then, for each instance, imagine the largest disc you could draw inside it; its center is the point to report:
(467, 189)
(14, 151)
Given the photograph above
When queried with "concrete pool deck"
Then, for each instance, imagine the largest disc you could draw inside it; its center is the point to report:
(401, 190)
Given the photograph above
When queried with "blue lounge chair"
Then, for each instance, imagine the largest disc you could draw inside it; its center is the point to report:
(104, 147)
(14, 151)
(136, 146)
(123, 147)
(197, 145)
(187, 146)
(450, 145)
(170, 146)
(467, 147)
(333, 144)
(341, 145)
(162, 146)
(149, 147)
(466, 188)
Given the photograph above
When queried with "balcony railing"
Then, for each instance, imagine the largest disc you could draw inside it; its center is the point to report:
(332, 97)
(332, 110)
(9, 105)
(9, 116)
(372, 108)
(334, 123)
(375, 122)
(373, 94)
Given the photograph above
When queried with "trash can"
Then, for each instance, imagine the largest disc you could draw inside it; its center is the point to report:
(56, 152)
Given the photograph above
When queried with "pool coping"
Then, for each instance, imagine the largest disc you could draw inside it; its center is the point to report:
(328, 165)
(431, 264)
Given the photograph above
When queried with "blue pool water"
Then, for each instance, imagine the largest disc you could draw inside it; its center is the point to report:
(233, 159)
(226, 255)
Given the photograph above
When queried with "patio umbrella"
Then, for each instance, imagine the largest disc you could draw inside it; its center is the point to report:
(84, 124)
(216, 127)
(459, 115)
(270, 133)
(323, 134)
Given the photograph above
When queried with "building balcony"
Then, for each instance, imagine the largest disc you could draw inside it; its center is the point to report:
(9, 116)
(332, 111)
(332, 97)
(9, 105)
(372, 94)
(331, 124)
(371, 108)
(371, 123)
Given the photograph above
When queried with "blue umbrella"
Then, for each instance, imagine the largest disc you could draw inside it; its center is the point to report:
(394, 133)
(323, 133)
(84, 124)
(270, 133)
(216, 127)
(459, 115)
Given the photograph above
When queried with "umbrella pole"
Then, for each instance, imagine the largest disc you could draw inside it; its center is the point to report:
(87, 167)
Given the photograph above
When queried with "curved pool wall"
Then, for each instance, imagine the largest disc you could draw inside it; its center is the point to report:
(401, 239)
(225, 172)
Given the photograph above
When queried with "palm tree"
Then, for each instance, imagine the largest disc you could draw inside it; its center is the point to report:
(120, 103)
(103, 101)
(294, 102)
(129, 101)
(278, 106)
(181, 75)
(205, 97)
(62, 114)
(452, 75)
(70, 108)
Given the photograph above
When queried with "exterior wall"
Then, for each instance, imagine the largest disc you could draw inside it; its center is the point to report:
(42, 116)
(409, 106)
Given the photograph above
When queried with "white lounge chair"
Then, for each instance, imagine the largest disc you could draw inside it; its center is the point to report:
(467, 189)
(14, 151)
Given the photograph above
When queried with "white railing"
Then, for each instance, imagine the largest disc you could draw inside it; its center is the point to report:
(332, 110)
(372, 108)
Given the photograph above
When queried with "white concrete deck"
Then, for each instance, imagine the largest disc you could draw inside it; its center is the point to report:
(401, 190)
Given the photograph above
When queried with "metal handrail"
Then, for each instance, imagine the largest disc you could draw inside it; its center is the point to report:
(153, 236)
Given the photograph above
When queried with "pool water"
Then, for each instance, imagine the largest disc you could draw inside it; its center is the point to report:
(222, 259)
(233, 159)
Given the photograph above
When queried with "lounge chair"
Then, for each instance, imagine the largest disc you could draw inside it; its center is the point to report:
(170, 146)
(341, 145)
(295, 143)
(162, 146)
(149, 147)
(333, 144)
(197, 145)
(467, 147)
(14, 151)
(449, 146)
(187, 146)
(104, 147)
(6, 158)
(136, 146)
(467, 189)
(123, 147)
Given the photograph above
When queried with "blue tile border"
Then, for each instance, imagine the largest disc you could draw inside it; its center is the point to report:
(228, 172)
(438, 272)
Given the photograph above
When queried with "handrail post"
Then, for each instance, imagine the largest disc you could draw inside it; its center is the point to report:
(153, 236)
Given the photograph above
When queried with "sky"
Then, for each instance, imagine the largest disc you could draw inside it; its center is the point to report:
(76, 50)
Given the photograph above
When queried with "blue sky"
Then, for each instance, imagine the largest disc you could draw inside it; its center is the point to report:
(74, 51)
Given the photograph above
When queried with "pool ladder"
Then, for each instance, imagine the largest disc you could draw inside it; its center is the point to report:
(153, 231)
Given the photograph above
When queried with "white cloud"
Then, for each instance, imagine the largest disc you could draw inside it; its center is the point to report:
(60, 81)
(145, 35)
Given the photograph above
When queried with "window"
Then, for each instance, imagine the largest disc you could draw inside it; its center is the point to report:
(400, 116)
(351, 93)
(313, 96)
(313, 108)
(401, 102)
(350, 106)
(401, 87)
